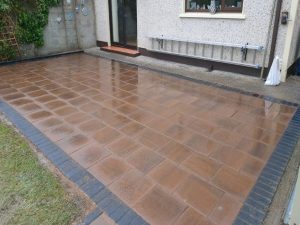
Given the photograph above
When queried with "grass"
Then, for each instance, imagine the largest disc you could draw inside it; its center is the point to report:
(29, 193)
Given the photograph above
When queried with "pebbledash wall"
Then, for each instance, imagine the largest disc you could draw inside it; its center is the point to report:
(156, 18)
(295, 51)
(67, 30)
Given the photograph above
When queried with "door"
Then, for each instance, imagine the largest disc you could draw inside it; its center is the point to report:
(123, 22)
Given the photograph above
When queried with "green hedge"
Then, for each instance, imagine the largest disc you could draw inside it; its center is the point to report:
(7, 51)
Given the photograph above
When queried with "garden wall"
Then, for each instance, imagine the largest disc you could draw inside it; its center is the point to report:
(68, 29)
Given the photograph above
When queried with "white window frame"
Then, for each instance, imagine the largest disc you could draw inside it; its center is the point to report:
(208, 15)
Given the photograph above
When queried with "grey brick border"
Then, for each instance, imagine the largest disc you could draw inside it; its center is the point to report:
(105, 200)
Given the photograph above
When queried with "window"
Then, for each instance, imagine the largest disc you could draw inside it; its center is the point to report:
(221, 5)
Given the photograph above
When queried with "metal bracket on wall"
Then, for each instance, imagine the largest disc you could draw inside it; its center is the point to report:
(244, 51)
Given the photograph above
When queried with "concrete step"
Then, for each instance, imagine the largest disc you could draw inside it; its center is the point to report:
(120, 50)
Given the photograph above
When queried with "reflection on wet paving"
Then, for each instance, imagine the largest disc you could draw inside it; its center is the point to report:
(175, 151)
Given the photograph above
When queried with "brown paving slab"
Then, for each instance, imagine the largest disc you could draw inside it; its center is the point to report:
(60, 132)
(168, 175)
(158, 207)
(201, 147)
(30, 89)
(109, 169)
(48, 123)
(257, 149)
(90, 107)
(160, 124)
(39, 115)
(116, 120)
(132, 186)
(233, 182)
(68, 95)
(78, 118)
(91, 126)
(179, 133)
(124, 146)
(133, 129)
(230, 157)
(199, 194)
(78, 101)
(252, 166)
(191, 217)
(73, 143)
(100, 98)
(202, 166)
(145, 160)
(106, 135)
(226, 137)
(152, 139)
(226, 210)
(37, 93)
(271, 138)
(7, 91)
(55, 104)
(175, 151)
(13, 96)
(202, 127)
(46, 98)
(65, 111)
(142, 116)
(112, 103)
(127, 109)
(22, 101)
(89, 155)
(30, 108)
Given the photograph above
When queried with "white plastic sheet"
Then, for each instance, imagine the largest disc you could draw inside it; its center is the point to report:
(274, 74)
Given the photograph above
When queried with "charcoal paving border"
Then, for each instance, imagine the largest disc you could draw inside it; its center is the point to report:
(254, 209)
(258, 202)
(105, 200)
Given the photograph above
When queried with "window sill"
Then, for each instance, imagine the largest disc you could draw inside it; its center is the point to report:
(236, 16)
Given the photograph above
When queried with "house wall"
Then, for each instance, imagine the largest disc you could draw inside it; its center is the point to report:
(156, 18)
(74, 31)
(282, 32)
(295, 51)
(102, 20)
(162, 18)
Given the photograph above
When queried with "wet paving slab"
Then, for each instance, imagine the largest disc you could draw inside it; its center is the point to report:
(175, 151)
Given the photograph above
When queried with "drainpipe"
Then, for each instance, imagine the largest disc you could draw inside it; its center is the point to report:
(276, 10)
(275, 32)
(108, 22)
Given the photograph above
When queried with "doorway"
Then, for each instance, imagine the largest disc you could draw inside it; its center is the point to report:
(123, 23)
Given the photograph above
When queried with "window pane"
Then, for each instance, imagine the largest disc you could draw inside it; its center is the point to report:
(197, 5)
(233, 4)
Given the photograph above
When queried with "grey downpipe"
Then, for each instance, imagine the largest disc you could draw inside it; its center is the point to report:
(268, 38)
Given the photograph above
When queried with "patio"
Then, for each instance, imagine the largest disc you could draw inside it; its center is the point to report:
(175, 151)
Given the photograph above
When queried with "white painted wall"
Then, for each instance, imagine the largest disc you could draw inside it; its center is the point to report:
(291, 45)
(295, 215)
(295, 51)
(102, 20)
(157, 17)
